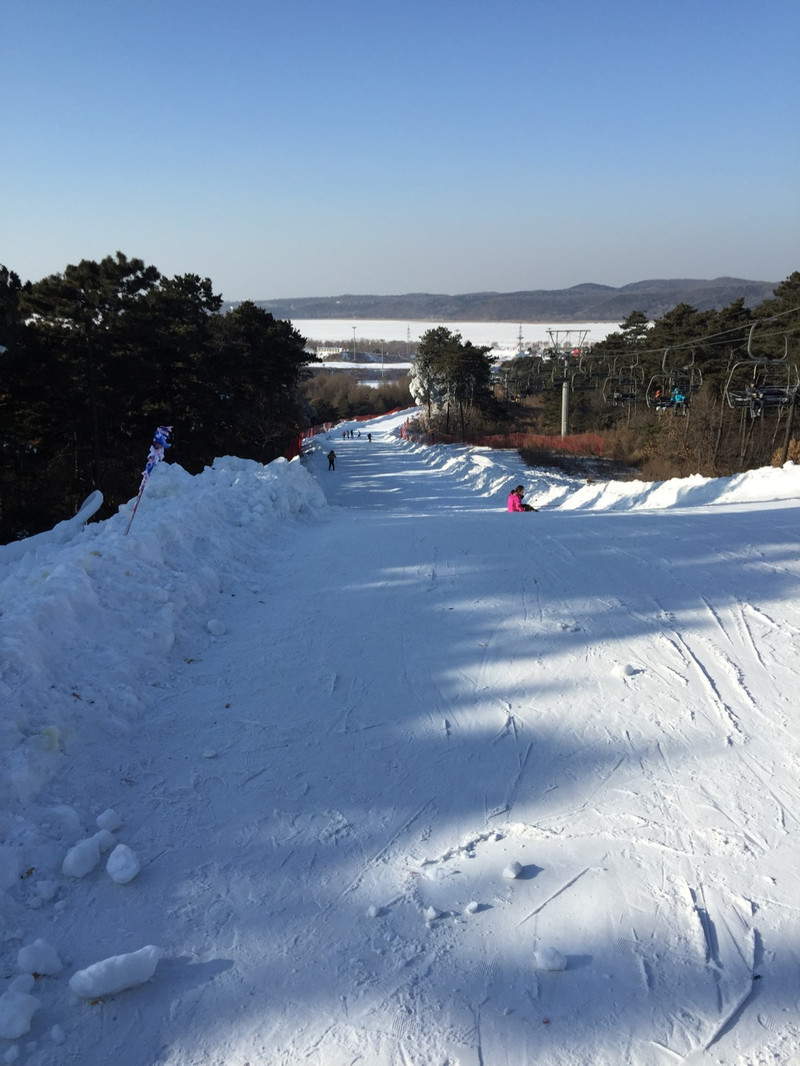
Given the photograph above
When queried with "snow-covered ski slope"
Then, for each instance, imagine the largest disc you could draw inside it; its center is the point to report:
(327, 712)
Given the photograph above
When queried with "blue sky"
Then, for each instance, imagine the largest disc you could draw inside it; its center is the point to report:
(302, 147)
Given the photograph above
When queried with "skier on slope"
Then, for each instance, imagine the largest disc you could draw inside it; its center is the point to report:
(515, 500)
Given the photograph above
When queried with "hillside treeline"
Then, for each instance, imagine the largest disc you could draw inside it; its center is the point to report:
(94, 359)
(710, 392)
(337, 395)
(580, 303)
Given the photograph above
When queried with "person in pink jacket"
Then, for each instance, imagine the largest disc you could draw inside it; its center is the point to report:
(515, 500)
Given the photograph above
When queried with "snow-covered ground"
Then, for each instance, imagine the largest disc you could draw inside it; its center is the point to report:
(355, 767)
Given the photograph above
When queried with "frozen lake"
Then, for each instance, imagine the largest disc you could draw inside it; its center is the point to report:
(501, 335)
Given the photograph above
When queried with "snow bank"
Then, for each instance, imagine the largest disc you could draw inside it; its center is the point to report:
(89, 592)
(491, 474)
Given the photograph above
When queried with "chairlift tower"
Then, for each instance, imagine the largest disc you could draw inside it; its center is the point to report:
(561, 341)
(562, 346)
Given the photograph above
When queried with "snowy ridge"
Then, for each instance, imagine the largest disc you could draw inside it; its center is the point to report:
(122, 601)
(488, 473)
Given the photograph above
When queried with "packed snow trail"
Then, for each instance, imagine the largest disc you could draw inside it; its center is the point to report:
(409, 696)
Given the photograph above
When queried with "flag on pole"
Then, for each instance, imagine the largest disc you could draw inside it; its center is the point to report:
(154, 456)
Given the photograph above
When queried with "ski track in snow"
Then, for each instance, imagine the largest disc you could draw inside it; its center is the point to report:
(412, 691)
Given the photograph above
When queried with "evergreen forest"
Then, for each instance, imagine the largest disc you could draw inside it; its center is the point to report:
(94, 359)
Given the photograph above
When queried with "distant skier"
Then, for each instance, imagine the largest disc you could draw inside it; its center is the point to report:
(331, 459)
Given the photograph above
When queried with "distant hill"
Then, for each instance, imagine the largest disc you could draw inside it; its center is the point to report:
(582, 303)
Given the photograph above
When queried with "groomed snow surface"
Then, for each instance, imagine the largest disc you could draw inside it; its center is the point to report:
(356, 767)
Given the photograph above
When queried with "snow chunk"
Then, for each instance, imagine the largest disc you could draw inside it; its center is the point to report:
(122, 865)
(115, 974)
(109, 820)
(514, 869)
(16, 1011)
(216, 628)
(473, 907)
(67, 821)
(82, 858)
(549, 959)
(373, 911)
(38, 957)
(624, 670)
(105, 840)
(431, 914)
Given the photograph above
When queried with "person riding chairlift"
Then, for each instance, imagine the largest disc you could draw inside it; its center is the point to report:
(755, 398)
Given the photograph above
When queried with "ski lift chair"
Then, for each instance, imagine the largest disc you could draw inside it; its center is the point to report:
(682, 378)
(623, 386)
(761, 384)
